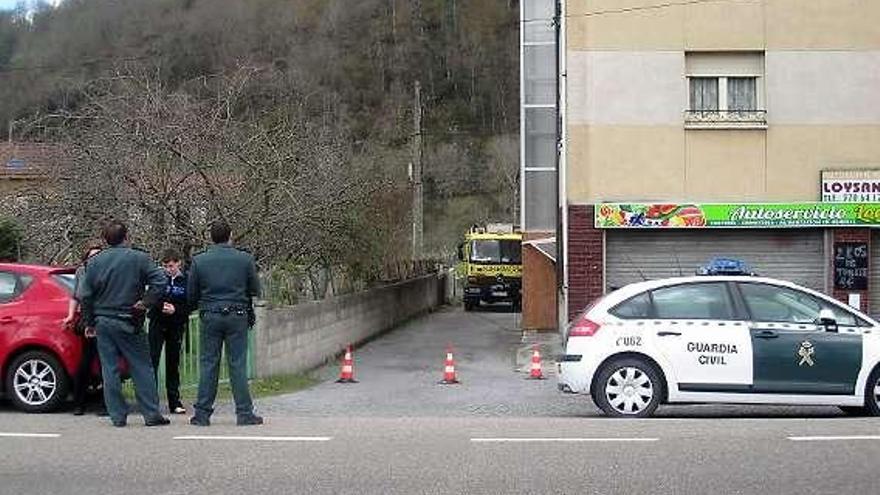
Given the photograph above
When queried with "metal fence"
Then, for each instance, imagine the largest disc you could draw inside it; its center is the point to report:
(189, 360)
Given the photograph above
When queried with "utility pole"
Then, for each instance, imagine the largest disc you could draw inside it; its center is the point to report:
(418, 207)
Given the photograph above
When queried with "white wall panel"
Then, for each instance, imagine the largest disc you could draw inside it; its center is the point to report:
(650, 88)
(626, 88)
(823, 87)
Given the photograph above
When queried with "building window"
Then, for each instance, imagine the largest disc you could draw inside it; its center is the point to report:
(704, 93)
(741, 94)
(725, 91)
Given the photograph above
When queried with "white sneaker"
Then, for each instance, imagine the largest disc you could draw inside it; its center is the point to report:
(179, 410)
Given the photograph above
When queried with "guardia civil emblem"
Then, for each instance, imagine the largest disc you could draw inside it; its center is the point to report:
(806, 353)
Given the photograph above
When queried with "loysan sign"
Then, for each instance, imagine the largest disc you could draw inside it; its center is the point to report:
(851, 186)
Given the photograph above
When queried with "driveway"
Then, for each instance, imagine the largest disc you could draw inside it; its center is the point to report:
(399, 372)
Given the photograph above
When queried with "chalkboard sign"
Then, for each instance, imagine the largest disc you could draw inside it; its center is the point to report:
(851, 265)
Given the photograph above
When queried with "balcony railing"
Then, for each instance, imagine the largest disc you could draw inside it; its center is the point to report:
(725, 119)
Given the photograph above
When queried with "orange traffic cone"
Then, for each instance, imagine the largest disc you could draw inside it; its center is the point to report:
(449, 377)
(346, 374)
(535, 373)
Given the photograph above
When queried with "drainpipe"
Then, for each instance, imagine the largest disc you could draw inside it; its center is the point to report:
(561, 170)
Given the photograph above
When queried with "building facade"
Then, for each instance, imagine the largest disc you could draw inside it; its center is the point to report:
(24, 165)
(693, 130)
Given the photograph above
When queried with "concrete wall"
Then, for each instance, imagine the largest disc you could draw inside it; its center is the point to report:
(298, 338)
(627, 90)
(745, 25)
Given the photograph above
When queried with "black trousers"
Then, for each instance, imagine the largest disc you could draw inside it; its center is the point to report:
(170, 335)
(84, 371)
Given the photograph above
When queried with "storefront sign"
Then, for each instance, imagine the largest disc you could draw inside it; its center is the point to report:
(850, 186)
(850, 190)
(851, 265)
(743, 215)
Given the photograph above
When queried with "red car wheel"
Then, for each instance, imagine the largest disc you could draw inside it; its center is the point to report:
(36, 382)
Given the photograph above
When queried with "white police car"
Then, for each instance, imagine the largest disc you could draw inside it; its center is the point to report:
(728, 339)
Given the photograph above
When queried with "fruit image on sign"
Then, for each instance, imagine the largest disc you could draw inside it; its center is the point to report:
(650, 215)
(659, 211)
(692, 216)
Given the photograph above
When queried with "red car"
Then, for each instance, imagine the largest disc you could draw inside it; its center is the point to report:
(38, 356)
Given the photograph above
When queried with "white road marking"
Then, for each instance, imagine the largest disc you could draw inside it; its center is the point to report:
(30, 435)
(255, 439)
(719, 418)
(561, 440)
(834, 438)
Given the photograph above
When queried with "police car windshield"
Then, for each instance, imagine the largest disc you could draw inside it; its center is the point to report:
(504, 252)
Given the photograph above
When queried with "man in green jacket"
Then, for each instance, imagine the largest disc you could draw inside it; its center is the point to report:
(113, 303)
(222, 284)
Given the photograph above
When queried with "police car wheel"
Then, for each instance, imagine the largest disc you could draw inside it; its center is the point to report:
(628, 387)
(872, 393)
(36, 382)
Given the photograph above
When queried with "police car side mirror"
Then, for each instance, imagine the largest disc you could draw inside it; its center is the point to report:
(828, 320)
(461, 252)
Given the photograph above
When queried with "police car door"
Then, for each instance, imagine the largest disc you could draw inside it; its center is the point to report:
(13, 309)
(698, 331)
(793, 353)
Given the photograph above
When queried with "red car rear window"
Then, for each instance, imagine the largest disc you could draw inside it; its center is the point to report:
(66, 280)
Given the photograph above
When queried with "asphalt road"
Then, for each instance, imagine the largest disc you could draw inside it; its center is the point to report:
(397, 431)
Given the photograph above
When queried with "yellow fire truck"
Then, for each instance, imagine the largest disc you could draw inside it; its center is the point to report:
(491, 259)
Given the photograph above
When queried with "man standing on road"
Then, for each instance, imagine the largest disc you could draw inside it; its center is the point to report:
(168, 322)
(114, 302)
(222, 283)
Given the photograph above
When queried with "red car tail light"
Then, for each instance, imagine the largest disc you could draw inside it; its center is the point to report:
(583, 327)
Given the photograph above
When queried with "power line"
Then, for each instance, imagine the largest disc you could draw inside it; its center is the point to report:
(627, 10)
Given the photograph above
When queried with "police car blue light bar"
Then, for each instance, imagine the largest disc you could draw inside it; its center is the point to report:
(725, 266)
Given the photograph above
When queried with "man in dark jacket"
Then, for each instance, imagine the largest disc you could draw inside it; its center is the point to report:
(168, 323)
(113, 303)
(222, 283)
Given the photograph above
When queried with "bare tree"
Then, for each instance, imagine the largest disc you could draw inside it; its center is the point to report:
(172, 162)
(503, 154)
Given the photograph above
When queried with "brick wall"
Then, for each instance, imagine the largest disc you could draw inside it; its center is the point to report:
(849, 235)
(585, 259)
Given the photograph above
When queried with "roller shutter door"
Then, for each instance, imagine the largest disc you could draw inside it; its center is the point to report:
(796, 255)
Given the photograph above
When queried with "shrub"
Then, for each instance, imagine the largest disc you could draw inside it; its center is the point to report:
(10, 240)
